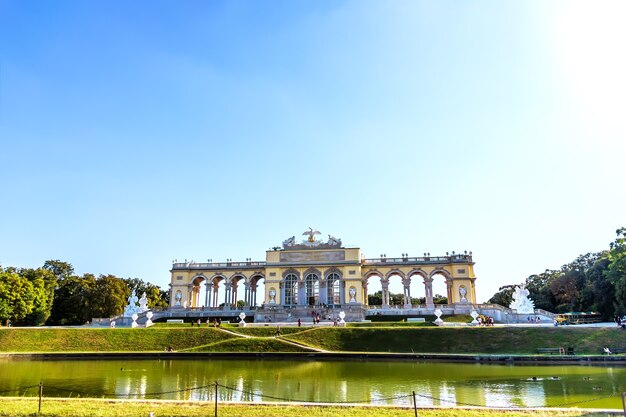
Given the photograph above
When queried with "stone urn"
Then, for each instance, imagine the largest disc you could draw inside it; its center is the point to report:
(342, 322)
(134, 317)
(438, 313)
(474, 315)
(242, 316)
(149, 315)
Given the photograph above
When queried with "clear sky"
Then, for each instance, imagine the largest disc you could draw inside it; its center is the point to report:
(133, 133)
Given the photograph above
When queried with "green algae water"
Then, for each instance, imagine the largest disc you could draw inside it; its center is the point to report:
(332, 381)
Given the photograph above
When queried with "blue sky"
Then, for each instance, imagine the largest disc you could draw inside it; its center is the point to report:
(133, 133)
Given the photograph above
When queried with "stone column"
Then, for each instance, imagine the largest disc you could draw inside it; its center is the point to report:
(323, 295)
(407, 292)
(302, 301)
(364, 296)
(207, 287)
(246, 294)
(451, 298)
(428, 289)
(216, 290)
(227, 293)
(385, 285)
(189, 295)
(233, 293)
(342, 291)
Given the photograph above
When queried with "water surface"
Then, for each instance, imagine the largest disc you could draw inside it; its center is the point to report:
(376, 382)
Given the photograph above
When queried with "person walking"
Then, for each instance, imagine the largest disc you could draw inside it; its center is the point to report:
(278, 330)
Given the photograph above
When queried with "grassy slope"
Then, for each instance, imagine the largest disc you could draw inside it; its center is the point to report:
(108, 408)
(106, 340)
(265, 331)
(495, 340)
(521, 340)
(249, 345)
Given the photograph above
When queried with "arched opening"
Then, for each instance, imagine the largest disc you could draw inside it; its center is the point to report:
(373, 289)
(312, 285)
(217, 293)
(257, 290)
(395, 290)
(333, 289)
(291, 290)
(197, 300)
(236, 299)
(440, 288)
(416, 288)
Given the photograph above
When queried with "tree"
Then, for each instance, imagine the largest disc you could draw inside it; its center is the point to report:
(44, 282)
(375, 299)
(107, 298)
(616, 271)
(71, 300)
(157, 298)
(16, 296)
(60, 269)
(599, 292)
(440, 299)
(504, 296)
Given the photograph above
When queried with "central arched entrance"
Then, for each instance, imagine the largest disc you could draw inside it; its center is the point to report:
(290, 286)
(312, 288)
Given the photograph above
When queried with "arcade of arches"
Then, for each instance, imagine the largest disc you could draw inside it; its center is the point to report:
(315, 273)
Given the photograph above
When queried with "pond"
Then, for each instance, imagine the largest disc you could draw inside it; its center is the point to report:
(375, 382)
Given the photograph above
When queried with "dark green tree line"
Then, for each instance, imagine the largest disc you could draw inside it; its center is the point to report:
(54, 295)
(592, 282)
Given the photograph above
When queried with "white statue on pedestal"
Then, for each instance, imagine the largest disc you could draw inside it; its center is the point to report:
(143, 303)
(521, 302)
(131, 308)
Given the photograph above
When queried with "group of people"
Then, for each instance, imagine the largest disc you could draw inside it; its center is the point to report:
(487, 321)
(217, 322)
(316, 317)
(620, 321)
(533, 319)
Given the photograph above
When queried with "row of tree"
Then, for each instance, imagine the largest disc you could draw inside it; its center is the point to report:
(592, 282)
(54, 295)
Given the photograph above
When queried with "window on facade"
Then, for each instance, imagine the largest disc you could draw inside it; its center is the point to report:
(332, 288)
(312, 282)
(291, 289)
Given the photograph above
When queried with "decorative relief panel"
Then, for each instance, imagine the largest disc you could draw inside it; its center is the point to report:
(317, 256)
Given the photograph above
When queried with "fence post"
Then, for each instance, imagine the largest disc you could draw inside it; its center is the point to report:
(40, 395)
(215, 398)
(414, 404)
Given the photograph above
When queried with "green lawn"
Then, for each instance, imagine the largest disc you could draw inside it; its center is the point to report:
(416, 339)
(250, 346)
(106, 340)
(109, 408)
(489, 340)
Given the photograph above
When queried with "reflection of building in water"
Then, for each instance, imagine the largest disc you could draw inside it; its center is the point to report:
(470, 393)
(314, 273)
(529, 394)
(533, 395)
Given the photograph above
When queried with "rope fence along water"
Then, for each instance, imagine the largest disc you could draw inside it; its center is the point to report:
(267, 397)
